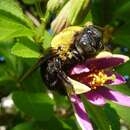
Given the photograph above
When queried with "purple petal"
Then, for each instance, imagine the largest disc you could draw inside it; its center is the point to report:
(95, 98)
(103, 63)
(80, 113)
(115, 96)
(104, 54)
(78, 69)
(119, 79)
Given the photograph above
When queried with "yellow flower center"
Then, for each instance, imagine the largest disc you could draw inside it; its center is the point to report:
(99, 78)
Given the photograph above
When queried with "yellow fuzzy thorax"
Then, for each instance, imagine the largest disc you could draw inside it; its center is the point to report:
(63, 41)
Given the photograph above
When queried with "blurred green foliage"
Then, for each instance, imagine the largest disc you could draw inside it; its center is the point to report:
(25, 34)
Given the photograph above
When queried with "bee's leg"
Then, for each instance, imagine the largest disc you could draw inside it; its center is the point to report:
(55, 77)
(62, 76)
(76, 55)
(68, 86)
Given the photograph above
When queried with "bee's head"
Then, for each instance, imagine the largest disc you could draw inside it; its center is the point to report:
(95, 34)
(90, 41)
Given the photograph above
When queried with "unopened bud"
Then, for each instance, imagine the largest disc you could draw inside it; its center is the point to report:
(54, 5)
(72, 13)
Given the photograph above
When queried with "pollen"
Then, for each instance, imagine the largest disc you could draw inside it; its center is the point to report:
(99, 78)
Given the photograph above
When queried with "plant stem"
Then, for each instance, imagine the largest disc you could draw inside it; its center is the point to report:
(41, 28)
(38, 9)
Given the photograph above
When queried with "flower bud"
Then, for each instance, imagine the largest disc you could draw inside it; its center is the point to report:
(72, 13)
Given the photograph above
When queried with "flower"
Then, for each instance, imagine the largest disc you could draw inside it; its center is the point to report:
(95, 75)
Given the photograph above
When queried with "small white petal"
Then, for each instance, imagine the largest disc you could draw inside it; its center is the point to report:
(78, 87)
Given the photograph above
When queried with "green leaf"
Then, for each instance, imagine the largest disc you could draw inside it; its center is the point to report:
(98, 115)
(37, 105)
(123, 112)
(13, 8)
(26, 48)
(122, 39)
(87, 18)
(123, 67)
(47, 40)
(55, 123)
(12, 67)
(121, 35)
(104, 12)
(25, 126)
(33, 82)
(30, 1)
(113, 117)
(11, 27)
(122, 12)
(10, 30)
(70, 123)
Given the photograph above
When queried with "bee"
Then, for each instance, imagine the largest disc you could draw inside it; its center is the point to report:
(71, 46)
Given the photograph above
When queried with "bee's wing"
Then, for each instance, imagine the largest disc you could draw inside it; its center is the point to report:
(33, 68)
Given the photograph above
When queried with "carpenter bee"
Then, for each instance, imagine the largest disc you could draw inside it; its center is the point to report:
(71, 46)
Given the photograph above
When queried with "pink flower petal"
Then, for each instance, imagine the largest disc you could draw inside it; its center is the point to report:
(78, 69)
(104, 54)
(80, 113)
(103, 63)
(115, 96)
(126, 58)
(119, 79)
(95, 98)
